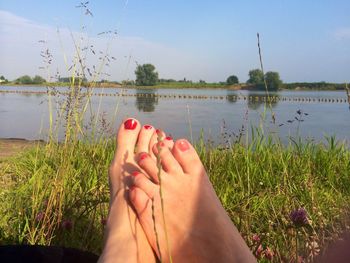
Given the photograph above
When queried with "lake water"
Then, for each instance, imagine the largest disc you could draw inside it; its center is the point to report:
(219, 111)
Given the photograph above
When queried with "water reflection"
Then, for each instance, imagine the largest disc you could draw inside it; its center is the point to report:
(254, 99)
(146, 100)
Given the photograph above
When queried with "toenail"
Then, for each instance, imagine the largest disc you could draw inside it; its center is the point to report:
(158, 131)
(169, 138)
(135, 173)
(183, 145)
(130, 124)
(143, 156)
(148, 127)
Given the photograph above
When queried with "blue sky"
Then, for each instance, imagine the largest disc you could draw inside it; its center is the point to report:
(209, 40)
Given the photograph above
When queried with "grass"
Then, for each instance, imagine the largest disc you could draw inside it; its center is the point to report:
(57, 194)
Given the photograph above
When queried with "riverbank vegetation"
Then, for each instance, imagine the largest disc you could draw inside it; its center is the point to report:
(286, 200)
(147, 77)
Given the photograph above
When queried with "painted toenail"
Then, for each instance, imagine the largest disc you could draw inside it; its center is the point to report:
(169, 138)
(143, 156)
(183, 146)
(130, 124)
(148, 127)
(159, 132)
(135, 173)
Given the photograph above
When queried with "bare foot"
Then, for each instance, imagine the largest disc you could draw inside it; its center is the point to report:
(125, 240)
(197, 228)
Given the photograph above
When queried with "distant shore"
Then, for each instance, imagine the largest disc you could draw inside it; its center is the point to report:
(190, 85)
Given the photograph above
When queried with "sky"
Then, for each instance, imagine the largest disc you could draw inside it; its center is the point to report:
(197, 40)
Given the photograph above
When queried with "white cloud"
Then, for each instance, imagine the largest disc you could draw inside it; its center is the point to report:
(20, 51)
(342, 33)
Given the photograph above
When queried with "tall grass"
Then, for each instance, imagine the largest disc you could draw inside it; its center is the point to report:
(58, 193)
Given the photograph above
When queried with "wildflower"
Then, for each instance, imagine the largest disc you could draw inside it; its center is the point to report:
(268, 253)
(39, 216)
(256, 238)
(103, 221)
(299, 217)
(67, 224)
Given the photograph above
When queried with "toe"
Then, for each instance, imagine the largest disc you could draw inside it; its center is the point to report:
(144, 183)
(146, 162)
(187, 157)
(168, 161)
(158, 135)
(126, 138)
(144, 138)
(169, 142)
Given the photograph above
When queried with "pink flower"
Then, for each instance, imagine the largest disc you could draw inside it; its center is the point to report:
(256, 238)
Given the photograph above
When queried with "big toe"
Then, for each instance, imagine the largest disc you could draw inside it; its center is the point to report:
(126, 138)
(187, 157)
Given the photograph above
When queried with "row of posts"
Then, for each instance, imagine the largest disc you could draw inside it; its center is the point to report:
(186, 96)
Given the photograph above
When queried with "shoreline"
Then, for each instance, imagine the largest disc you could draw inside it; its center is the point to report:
(12, 146)
(169, 86)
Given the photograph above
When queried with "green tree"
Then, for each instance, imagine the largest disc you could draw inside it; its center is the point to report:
(273, 80)
(3, 79)
(146, 75)
(24, 80)
(232, 80)
(256, 77)
(38, 80)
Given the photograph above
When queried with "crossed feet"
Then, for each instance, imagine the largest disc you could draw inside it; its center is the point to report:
(188, 224)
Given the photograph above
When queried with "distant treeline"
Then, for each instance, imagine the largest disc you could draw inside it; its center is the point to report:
(315, 85)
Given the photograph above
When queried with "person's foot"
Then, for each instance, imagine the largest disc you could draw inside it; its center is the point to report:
(196, 228)
(125, 240)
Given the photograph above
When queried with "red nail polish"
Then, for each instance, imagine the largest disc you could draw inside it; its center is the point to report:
(158, 131)
(169, 138)
(130, 124)
(183, 145)
(135, 173)
(143, 156)
(148, 127)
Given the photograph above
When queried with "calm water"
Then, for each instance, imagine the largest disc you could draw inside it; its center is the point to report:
(26, 115)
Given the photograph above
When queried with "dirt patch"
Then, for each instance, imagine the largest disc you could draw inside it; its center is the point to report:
(11, 147)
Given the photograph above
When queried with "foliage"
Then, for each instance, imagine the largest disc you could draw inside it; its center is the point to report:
(232, 80)
(55, 186)
(38, 80)
(3, 79)
(256, 77)
(24, 80)
(146, 75)
(315, 85)
(273, 80)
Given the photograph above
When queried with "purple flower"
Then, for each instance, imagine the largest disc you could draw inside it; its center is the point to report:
(299, 217)
(67, 224)
(103, 221)
(39, 217)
